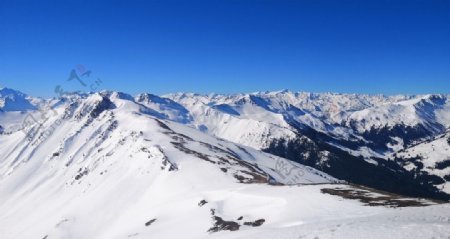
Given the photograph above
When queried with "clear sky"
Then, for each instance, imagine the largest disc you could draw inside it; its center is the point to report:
(228, 46)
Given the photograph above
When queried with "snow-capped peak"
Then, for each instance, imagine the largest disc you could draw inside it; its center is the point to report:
(13, 100)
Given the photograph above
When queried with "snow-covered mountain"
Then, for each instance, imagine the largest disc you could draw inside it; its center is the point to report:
(431, 156)
(343, 115)
(109, 165)
(346, 135)
(12, 100)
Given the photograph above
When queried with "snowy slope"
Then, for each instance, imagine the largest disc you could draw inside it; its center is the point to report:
(236, 119)
(12, 100)
(421, 110)
(107, 165)
(321, 125)
(103, 154)
(431, 156)
(326, 130)
(341, 115)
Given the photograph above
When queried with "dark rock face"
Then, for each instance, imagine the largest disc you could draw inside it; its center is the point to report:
(150, 222)
(222, 225)
(92, 111)
(81, 172)
(256, 223)
(443, 165)
(101, 106)
(202, 203)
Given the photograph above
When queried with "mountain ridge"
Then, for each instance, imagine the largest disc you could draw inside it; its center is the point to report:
(312, 128)
(110, 165)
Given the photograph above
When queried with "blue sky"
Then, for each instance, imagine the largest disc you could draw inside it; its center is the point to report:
(371, 46)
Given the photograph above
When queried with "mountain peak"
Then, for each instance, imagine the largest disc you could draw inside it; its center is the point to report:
(8, 91)
(13, 100)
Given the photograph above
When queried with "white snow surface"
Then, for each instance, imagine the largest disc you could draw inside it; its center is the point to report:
(258, 118)
(103, 165)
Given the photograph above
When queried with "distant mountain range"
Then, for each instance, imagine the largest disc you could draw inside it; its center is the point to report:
(358, 138)
(122, 155)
